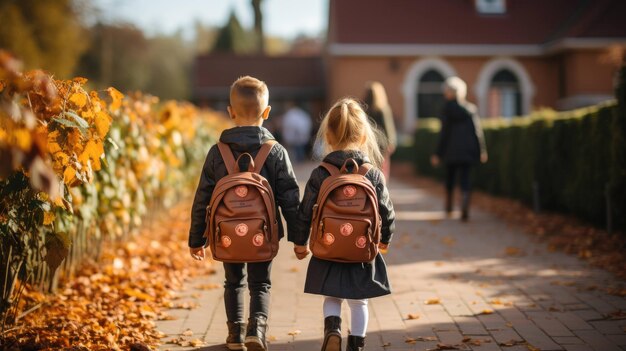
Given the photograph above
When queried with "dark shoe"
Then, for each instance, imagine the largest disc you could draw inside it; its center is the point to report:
(465, 203)
(355, 343)
(332, 334)
(234, 341)
(255, 334)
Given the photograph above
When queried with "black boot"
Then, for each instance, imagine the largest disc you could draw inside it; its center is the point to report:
(255, 334)
(449, 194)
(355, 343)
(332, 334)
(235, 338)
(465, 203)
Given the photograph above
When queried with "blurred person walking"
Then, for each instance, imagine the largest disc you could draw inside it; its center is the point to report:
(296, 131)
(379, 111)
(461, 142)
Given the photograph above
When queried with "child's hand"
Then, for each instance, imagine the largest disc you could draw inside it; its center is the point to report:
(383, 248)
(301, 251)
(197, 253)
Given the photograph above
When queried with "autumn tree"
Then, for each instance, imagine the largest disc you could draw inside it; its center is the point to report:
(232, 37)
(44, 34)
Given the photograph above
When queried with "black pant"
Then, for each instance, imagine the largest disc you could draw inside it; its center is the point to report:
(259, 285)
(463, 170)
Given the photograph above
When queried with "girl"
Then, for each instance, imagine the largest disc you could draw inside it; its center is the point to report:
(346, 132)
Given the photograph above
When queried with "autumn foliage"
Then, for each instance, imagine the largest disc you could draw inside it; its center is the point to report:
(81, 168)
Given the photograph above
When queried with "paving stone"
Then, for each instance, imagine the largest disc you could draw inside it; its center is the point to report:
(596, 340)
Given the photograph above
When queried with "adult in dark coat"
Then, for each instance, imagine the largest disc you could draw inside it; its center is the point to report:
(461, 142)
(345, 280)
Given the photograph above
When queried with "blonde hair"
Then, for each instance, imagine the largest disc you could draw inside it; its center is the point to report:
(249, 96)
(347, 127)
(375, 96)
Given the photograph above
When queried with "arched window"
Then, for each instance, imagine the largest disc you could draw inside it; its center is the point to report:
(505, 99)
(430, 98)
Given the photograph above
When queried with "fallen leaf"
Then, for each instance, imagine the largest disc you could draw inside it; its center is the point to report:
(412, 316)
(294, 332)
(187, 332)
(196, 343)
(432, 301)
(485, 311)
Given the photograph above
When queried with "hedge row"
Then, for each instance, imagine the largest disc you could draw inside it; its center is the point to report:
(83, 167)
(570, 157)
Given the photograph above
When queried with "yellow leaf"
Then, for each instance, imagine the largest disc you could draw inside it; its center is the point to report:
(486, 311)
(412, 316)
(69, 175)
(92, 151)
(53, 147)
(48, 218)
(196, 343)
(116, 98)
(138, 294)
(294, 332)
(80, 80)
(23, 139)
(103, 123)
(79, 99)
(434, 301)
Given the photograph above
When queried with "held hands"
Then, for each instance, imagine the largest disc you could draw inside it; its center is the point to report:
(434, 160)
(197, 253)
(383, 248)
(301, 251)
(483, 157)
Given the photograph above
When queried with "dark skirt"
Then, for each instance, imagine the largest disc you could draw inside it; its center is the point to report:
(347, 280)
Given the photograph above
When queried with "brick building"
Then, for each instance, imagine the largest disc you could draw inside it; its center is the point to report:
(515, 55)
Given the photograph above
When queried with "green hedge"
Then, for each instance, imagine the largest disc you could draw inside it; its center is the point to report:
(570, 155)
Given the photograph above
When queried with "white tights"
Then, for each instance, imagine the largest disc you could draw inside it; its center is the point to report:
(358, 313)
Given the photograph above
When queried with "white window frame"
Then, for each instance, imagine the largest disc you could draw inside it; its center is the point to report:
(411, 86)
(490, 68)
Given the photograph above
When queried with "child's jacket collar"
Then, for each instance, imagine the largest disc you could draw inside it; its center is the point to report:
(244, 139)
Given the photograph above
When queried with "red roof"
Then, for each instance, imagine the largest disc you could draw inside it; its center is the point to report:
(286, 76)
(458, 22)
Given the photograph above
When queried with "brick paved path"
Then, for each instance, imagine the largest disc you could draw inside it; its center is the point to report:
(488, 287)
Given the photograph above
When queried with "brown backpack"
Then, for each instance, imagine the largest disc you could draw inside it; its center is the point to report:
(346, 224)
(241, 216)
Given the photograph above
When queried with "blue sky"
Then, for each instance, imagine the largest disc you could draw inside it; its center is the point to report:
(285, 18)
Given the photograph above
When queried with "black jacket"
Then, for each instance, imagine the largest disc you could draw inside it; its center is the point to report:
(346, 280)
(461, 140)
(277, 170)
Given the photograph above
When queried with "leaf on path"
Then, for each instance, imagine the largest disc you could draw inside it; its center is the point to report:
(432, 301)
(448, 240)
(138, 294)
(272, 338)
(196, 343)
(294, 332)
(387, 344)
(512, 342)
(485, 311)
(412, 316)
(209, 286)
(187, 332)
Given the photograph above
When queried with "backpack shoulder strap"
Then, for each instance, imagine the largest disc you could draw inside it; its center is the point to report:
(364, 168)
(227, 156)
(261, 156)
(330, 168)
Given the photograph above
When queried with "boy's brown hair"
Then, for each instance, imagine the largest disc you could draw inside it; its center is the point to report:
(249, 97)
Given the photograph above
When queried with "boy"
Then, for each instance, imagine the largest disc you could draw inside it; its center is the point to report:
(248, 109)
